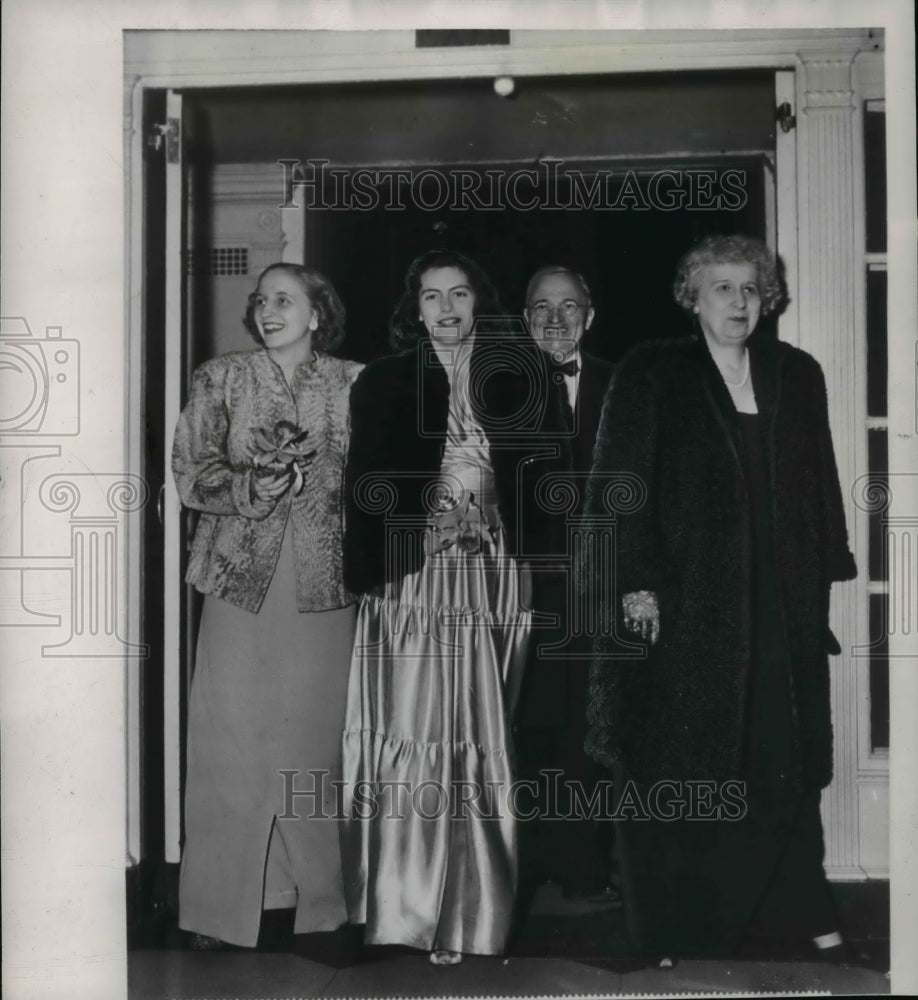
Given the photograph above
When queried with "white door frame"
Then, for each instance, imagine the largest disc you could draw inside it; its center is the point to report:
(786, 203)
(175, 320)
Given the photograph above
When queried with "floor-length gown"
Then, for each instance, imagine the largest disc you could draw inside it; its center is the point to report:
(267, 696)
(430, 843)
(774, 883)
(701, 887)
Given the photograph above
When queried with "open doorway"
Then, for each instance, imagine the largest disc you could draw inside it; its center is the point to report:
(694, 130)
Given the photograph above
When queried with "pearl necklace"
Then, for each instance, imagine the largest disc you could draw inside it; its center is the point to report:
(743, 380)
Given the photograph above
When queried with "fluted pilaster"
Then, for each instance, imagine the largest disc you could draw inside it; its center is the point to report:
(832, 330)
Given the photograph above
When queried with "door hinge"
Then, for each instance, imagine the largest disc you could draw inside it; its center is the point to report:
(168, 135)
(785, 117)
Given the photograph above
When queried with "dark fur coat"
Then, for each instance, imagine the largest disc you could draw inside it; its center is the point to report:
(669, 419)
(399, 412)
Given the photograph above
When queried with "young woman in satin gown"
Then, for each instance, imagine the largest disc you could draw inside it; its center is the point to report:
(442, 450)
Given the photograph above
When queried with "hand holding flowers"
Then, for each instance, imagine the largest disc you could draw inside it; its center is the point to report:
(280, 460)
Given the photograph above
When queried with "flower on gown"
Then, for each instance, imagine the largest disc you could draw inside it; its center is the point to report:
(462, 526)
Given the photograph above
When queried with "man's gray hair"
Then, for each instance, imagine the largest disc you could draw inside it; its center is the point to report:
(559, 269)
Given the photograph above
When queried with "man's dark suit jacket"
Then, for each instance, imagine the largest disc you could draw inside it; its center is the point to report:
(554, 690)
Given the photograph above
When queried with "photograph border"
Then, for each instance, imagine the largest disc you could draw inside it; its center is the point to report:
(66, 261)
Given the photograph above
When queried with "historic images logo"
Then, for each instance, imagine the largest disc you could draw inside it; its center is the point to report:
(530, 799)
(548, 187)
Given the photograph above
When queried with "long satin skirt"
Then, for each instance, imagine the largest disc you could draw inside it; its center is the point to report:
(268, 696)
(429, 844)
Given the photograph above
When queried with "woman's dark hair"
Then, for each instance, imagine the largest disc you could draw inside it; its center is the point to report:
(736, 249)
(329, 333)
(405, 326)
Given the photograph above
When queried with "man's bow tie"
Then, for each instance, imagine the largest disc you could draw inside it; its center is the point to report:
(570, 367)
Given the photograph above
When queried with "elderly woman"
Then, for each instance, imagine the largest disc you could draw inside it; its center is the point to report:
(724, 564)
(259, 451)
(444, 449)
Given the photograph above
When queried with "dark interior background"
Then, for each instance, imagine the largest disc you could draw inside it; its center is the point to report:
(627, 257)
(684, 121)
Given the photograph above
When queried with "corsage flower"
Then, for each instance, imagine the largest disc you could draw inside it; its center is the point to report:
(282, 448)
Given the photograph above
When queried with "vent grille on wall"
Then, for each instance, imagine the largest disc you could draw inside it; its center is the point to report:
(427, 39)
(219, 261)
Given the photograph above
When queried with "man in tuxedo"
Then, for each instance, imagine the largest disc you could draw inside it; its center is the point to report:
(551, 718)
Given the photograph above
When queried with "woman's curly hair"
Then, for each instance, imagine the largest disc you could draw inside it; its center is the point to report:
(405, 326)
(323, 298)
(736, 249)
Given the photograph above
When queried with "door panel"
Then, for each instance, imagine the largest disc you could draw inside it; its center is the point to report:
(174, 532)
(786, 202)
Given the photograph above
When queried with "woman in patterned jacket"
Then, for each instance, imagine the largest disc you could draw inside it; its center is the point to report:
(259, 450)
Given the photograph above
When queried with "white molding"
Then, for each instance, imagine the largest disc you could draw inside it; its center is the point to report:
(261, 184)
(832, 329)
(293, 233)
(133, 462)
(871, 73)
(786, 206)
(860, 526)
(211, 59)
(174, 315)
(244, 182)
(846, 873)
(873, 805)
(874, 764)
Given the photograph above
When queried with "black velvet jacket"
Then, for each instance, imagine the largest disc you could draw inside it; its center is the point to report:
(668, 420)
(399, 411)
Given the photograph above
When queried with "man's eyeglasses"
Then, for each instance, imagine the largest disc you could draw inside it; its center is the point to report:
(567, 308)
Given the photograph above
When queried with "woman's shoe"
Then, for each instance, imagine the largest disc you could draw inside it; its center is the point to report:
(203, 942)
(442, 956)
(832, 949)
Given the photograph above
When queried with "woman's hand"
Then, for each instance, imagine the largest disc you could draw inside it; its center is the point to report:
(283, 452)
(270, 482)
(642, 614)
